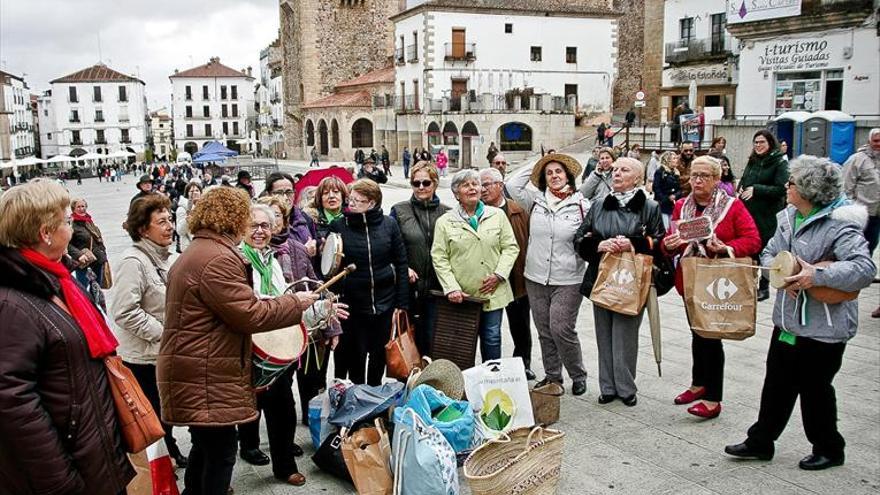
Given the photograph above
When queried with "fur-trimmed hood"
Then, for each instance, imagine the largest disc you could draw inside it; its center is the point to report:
(852, 213)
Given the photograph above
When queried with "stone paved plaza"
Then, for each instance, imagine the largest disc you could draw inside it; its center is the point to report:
(655, 447)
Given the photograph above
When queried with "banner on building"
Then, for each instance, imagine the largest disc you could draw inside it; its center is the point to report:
(690, 128)
(739, 11)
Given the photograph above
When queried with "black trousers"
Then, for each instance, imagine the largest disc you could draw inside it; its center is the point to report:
(708, 367)
(278, 406)
(423, 316)
(519, 319)
(363, 336)
(146, 377)
(210, 461)
(805, 369)
(311, 377)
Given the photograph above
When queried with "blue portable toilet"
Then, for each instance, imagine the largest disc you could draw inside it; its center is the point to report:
(829, 133)
(788, 127)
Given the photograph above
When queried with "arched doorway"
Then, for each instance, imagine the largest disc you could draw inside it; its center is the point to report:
(515, 136)
(469, 131)
(323, 140)
(433, 136)
(131, 159)
(450, 142)
(362, 134)
(190, 147)
(334, 134)
(310, 133)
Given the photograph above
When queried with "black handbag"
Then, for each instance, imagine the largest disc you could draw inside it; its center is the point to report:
(664, 274)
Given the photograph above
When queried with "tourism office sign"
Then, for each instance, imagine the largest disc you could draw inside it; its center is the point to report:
(739, 11)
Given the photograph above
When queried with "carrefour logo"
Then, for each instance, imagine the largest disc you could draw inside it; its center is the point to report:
(623, 277)
(722, 289)
(620, 282)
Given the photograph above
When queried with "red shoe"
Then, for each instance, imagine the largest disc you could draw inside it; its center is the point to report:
(687, 396)
(702, 411)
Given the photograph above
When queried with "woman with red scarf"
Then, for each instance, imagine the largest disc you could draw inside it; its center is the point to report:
(87, 244)
(59, 432)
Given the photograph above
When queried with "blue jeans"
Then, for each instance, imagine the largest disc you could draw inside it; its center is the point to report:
(490, 334)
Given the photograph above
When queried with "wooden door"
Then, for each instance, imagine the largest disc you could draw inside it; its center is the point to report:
(459, 87)
(458, 44)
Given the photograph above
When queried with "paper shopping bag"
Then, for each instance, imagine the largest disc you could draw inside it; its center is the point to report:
(720, 296)
(367, 454)
(499, 392)
(622, 282)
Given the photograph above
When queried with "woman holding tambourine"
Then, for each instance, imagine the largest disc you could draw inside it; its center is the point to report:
(733, 234)
(815, 312)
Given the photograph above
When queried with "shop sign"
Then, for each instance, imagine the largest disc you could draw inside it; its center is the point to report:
(739, 11)
(795, 54)
(682, 76)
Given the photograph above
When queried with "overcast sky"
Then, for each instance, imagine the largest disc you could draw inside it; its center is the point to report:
(47, 39)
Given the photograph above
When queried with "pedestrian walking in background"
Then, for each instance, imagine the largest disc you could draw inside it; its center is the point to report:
(53, 343)
(762, 189)
(406, 159)
(600, 134)
(519, 318)
(809, 336)
(442, 162)
(553, 269)
(314, 155)
(359, 156)
(379, 286)
(386, 160)
(473, 252)
(624, 220)
(416, 219)
(137, 300)
(493, 150)
(733, 235)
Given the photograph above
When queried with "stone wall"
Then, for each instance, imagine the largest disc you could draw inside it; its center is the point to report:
(639, 55)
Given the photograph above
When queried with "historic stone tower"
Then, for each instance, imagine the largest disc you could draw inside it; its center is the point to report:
(640, 56)
(325, 42)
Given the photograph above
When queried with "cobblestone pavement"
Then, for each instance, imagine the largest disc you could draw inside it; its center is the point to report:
(655, 447)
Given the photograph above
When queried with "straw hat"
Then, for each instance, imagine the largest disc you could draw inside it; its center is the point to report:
(443, 375)
(571, 165)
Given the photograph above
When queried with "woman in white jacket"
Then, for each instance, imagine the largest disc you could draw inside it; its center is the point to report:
(191, 195)
(553, 269)
(137, 300)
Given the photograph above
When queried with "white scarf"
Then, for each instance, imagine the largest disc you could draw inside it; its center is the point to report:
(554, 201)
(624, 197)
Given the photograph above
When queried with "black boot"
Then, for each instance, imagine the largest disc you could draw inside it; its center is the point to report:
(763, 289)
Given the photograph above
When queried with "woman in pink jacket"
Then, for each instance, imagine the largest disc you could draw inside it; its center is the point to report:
(442, 162)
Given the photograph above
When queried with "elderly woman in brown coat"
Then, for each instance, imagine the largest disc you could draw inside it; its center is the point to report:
(211, 310)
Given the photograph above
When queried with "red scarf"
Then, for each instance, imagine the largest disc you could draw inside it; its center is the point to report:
(562, 193)
(76, 217)
(99, 337)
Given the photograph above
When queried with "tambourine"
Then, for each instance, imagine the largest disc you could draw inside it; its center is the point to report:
(785, 264)
(331, 255)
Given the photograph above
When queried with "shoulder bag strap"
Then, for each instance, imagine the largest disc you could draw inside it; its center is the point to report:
(159, 271)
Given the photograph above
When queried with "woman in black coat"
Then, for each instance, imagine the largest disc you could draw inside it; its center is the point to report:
(379, 285)
(667, 185)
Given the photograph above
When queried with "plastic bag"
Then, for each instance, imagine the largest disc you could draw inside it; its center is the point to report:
(363, 403)
(320, 408)
(453, 418)
(499, 392)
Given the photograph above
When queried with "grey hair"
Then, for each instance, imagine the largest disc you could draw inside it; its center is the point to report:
(270, 213)
(873, 132)
(818, 180)
(461, 177)
(493, 174)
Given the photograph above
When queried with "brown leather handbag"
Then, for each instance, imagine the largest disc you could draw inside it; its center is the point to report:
(138, 421)
(401, 353)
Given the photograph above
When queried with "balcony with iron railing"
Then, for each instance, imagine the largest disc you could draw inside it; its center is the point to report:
(465, 52)
(412, 53)
(509, 102)
(698, 49)
(398, 56)
(74, 120)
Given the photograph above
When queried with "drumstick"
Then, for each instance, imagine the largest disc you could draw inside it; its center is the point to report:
(336, 278)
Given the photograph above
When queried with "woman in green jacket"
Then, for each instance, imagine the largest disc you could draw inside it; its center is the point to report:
(762, 190)
(473, 252)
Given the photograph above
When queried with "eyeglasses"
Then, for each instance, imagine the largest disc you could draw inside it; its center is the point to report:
(423, 183)
(790, 183)
(261, 226)
(499, 163)
(283, 192)
(486, 185)
(702, 176)
(355, 201)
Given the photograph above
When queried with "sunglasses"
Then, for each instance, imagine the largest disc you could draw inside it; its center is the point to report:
(421, 184)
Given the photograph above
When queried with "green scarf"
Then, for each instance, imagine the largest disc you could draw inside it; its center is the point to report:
(330, 216)
(474, 220)
(265, 270)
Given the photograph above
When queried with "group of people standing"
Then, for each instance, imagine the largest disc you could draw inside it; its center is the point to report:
(530, 242)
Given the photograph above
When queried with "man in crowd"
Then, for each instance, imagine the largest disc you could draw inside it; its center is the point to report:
(518, 311)
(144, 186)
(244, 182)
(685, 157)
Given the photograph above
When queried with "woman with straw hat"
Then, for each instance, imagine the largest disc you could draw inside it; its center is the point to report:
(553, 269)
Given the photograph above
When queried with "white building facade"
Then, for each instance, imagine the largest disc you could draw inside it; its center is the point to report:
(96, 110)
(16, 119)
(697, 47)
(213, 102)
(270, 108)
(823, 55)
(162, 134)
(511, 75)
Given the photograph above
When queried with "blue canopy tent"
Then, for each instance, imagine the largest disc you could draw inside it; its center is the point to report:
(213, 151)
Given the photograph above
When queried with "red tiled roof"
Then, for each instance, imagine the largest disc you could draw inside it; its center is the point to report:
(212, 69)
(96, 73)
(385, 75)
(355, 99)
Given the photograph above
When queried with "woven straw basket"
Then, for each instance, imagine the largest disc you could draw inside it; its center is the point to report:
(523, 461)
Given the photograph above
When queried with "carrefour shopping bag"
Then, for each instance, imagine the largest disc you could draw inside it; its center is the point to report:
(499, 393)
(622, 282)
(720, 296)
